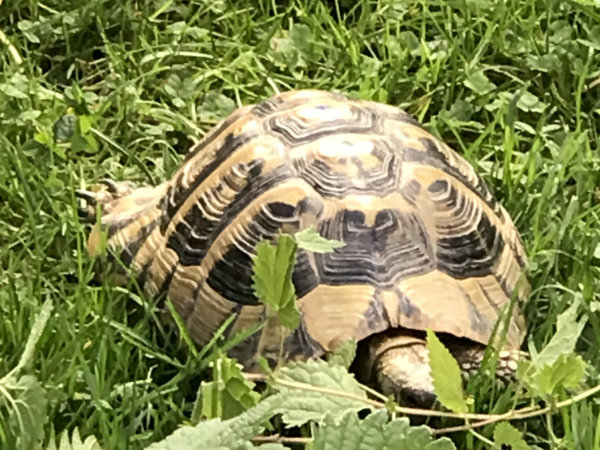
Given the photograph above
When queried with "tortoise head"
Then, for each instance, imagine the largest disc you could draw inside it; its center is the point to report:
(121, 204)
(399, 361)
(400, 364)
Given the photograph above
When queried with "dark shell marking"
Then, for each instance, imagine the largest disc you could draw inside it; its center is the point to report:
(427, 246)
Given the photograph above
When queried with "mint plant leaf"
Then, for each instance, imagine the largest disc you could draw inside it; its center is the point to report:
(23, 402)
(23, 406)
(230, 393)
(556, 366)
(344, 354)
(272, 278)
(447, 380)
(75, 443)
(375, 432)
(234, 433)
(567, 333)
(566, 372)
(507, 436)
(307, 386)
(310, 239)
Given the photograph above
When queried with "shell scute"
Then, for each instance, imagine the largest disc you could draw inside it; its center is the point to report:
(427, 245)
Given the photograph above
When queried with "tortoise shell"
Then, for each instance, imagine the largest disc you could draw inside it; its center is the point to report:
(427, 245)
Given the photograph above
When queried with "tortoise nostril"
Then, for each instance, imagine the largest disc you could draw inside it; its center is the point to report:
(418, 398)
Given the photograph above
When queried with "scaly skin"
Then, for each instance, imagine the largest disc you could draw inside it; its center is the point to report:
(400, 363)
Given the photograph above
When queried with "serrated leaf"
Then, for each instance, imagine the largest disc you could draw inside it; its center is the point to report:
(375, 432)
(310, 239)
(272, 278)
(302, 404)
(447, 380)
(75, 443)
(23, 404)
(213, 434)
(566, 372)
(211, 400)
(230, 393)
(22, 398)
(344, 354)
(556, 365)
(567, 333)
(507, 436)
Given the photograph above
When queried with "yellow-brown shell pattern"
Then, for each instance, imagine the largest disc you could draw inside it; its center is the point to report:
(427, 246)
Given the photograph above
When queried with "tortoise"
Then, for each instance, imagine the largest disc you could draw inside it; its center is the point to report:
(427, 246)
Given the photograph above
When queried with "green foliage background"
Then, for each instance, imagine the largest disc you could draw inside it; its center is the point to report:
(90, 88)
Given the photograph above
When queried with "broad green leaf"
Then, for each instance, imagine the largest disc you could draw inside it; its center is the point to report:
(344, 354)
(292, 48)
(566, 372)
(301, 36)
(479, 83)
(310, 239)
(230, 393)
(284, 52)
(234, 433)
(567, 333)
(22, 398)
(556, 366)
(447, 380)
(306, 387)
(507, 436)
(272, 277)
(85, 124)
(23, 409)
(12, 91)
(375, 432)
(215, 106)
(90, 443)
(212, 405)
(529, 102)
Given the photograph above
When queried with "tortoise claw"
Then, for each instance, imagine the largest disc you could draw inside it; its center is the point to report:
(111, 185)
(104, 194)
(87, 204)
(86, 195)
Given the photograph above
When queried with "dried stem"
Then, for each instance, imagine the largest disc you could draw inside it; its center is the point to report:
(276, 438)
(481, 419)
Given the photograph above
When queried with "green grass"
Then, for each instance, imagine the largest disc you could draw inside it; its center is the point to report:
(512, 85)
